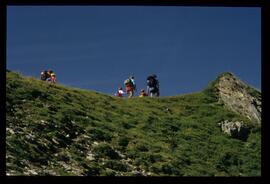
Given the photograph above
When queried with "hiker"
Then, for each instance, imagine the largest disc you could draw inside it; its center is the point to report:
(133, 82)
(143, 94)
(52, 76)
(44, 75)
(152, 85)
(129, 86)
(49, 75)
(120, 92)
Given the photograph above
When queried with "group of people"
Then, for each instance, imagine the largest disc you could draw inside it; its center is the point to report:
(130, 85)
(152, 87)
(48, 75)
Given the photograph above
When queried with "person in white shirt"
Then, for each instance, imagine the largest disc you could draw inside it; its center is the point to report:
(120, 92)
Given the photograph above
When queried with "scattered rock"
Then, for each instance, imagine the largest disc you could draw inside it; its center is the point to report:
(137, 173)
(55, 141)
(86, 136)
(168, 110)
(66, 166)
(10, 131)
(43, 122)
(120, 154)
(30, 172)
(90, 156)
(30, 136)
(11, 173)
(235, 129)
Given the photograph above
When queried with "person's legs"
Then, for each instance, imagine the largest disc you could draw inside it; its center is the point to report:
(131, 92)
(153, 92)
(147, 90)
(128, 90)
(156, 92)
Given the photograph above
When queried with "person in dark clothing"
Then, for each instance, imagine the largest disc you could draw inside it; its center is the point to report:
(44, 75)
(152, 86)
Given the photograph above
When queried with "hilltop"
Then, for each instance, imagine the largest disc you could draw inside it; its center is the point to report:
(62, 131)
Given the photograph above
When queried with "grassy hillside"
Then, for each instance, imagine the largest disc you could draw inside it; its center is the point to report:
(57, 130)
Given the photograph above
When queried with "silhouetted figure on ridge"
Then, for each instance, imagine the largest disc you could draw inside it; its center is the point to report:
(152, 85)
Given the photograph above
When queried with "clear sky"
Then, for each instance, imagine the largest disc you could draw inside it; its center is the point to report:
(98, 47)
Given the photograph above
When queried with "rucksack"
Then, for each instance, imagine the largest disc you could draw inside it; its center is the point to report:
(43, 75)
(128, 82)
(151, 82)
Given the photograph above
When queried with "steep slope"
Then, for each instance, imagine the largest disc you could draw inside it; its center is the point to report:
(57, 130)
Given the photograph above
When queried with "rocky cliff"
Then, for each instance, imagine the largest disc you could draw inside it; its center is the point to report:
(239, 97)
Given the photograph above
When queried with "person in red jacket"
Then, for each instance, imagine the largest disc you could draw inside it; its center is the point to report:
(129, 86)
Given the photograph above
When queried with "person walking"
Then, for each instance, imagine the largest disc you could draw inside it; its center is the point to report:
(152, 86)
(51, 76)
(44, 75)
(132, 78)
(130, 86)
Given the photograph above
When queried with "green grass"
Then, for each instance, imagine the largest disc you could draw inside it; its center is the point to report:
(176, 135)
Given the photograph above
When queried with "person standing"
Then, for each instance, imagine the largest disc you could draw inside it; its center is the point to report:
(152, 86)
(132, 78)
(44, 75)
(51, 77)
(129, 86)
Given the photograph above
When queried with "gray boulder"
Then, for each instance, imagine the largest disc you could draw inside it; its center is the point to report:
(235, 129)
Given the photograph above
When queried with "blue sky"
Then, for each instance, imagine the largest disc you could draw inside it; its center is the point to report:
(98, 47)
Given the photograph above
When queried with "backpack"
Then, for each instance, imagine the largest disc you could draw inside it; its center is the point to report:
(133, 84)
(43, 75)
(128, 82)
(151, 82)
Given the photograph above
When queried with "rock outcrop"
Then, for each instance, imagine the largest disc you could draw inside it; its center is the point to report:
(239, 97)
